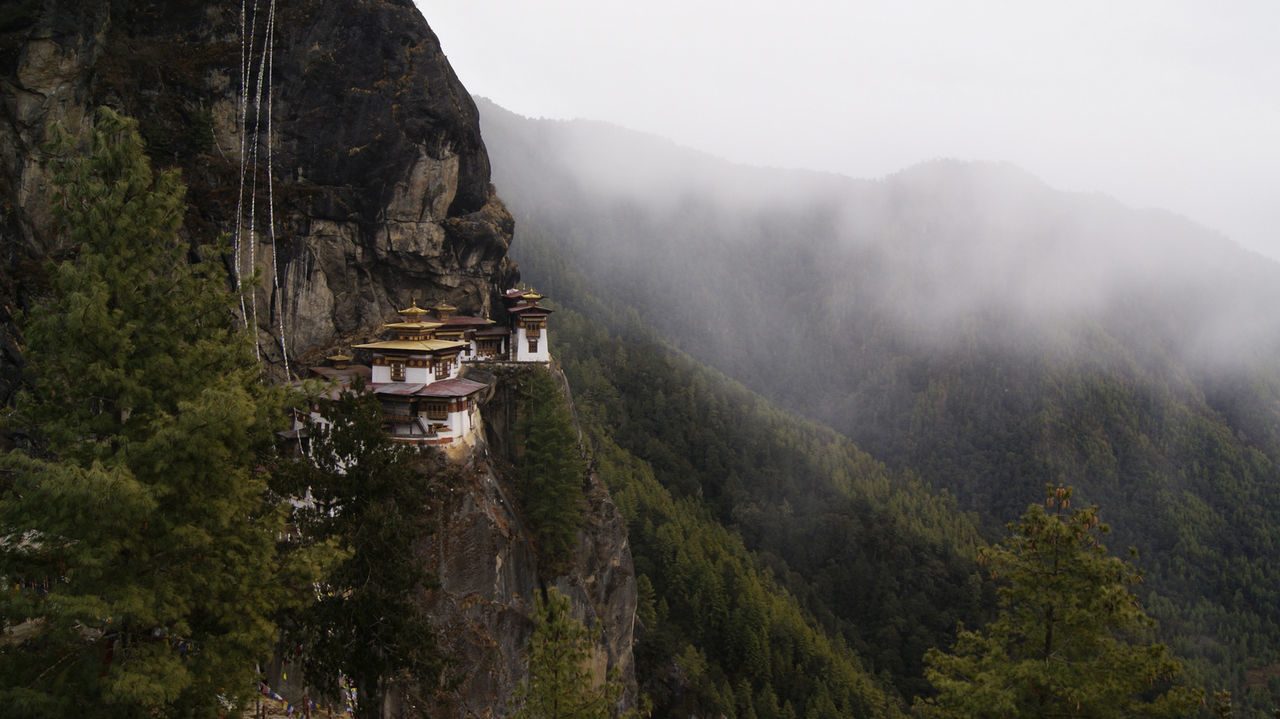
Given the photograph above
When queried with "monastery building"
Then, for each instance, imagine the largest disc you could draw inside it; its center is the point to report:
(417, 370)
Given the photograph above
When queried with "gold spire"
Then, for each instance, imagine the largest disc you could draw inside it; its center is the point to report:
(443, 310)
(413, 313)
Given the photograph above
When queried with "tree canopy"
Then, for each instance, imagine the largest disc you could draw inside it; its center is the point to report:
(550, 469)
(368, 498)
(560, 684)
(137, 552)
(1070, 640)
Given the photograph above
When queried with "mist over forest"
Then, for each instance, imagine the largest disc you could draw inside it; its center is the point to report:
(943, 255)
(962, 322)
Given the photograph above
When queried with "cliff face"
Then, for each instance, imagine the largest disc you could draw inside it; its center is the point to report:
(488, 577)
(379, 179)
(379, 191)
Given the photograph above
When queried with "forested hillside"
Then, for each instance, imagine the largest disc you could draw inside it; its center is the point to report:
(962, 324)
(769, 547)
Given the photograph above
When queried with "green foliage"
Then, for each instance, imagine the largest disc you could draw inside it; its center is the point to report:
(370, 499)
(1222, 704)
(560, 683)
(550, 470)
(721, 622)
(138, 562)
(1071, 639)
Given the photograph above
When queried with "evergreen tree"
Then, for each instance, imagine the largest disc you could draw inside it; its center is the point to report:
(550, 469)
(560, 683)
(1070, 638)
(370, 500)
(136, 548)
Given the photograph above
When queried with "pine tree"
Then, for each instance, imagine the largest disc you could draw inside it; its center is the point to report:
(550, 469)
(1070, 640)
(137, 553)
(370, 501)
(560, 683)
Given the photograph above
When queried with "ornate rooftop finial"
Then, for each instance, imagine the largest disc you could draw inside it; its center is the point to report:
(412, 313)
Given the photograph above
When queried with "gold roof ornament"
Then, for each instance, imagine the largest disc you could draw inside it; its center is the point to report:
(413, 313)
(443, 310)
(339, 360)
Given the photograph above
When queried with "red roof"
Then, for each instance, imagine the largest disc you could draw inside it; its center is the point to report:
(529, 308)
(397, 388)
(465, 322)
(443, 388)
(452, 388)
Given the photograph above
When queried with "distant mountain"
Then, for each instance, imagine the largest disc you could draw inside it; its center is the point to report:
(961, 322)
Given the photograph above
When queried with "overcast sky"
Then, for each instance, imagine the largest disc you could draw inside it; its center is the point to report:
(1159, 103)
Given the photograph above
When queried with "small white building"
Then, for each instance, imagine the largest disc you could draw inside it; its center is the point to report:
(530, 341)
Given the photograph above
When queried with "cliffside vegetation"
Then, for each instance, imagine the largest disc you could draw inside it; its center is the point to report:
(559, 682)
(369, 500)
(137, 553)
(549, 470)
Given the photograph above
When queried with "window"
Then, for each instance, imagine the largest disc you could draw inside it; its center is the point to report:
(533, 345)
(397, 370)
(442, 368)
(437, 411)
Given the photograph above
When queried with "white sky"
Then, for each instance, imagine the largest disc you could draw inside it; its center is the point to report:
(1160, 103)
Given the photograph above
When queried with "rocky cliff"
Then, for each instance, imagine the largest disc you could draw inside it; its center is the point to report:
(361, 167)
(489, 574)
(489, 569)
(366, 184)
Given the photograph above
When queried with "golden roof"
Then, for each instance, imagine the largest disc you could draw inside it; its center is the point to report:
(411, 325)
(413, 310)
(413, 345)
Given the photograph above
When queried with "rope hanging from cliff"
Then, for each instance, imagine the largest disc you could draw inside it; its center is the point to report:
(277, 299)
(251, 256)
(244, 245)
(246, 50)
